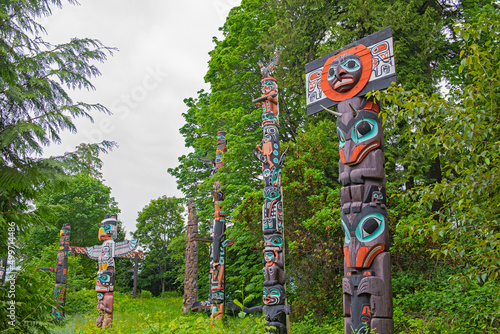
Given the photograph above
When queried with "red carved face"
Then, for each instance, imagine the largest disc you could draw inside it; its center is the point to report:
(345, 72)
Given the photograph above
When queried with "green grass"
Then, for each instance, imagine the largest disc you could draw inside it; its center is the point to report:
(164, 315)
(156, 315)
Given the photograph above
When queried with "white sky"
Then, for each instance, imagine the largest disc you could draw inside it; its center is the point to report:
(162, 59)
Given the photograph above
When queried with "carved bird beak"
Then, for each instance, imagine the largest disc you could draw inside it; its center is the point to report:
(331, 111)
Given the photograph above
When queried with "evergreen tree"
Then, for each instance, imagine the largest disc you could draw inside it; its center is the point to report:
(35, 105)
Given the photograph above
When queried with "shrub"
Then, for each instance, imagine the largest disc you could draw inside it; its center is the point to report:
(146, 294)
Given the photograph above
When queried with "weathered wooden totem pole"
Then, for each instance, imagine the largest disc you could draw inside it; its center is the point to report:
(61, 271)
(191, 270)
(343, 77)
(217, 297)
(269, 154)
(105, 255)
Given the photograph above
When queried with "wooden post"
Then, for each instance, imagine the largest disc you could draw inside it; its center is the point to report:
(136, 274)
(191, 267)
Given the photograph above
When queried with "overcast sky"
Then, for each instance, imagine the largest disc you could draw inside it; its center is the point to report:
(162, 59)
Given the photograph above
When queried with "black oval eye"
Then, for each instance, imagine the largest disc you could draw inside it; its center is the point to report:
(370, 226)
(331, 72)
(351, 64)
(363, 128)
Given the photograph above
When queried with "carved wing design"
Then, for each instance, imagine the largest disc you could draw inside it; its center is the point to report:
(94, 251)
(125, 247)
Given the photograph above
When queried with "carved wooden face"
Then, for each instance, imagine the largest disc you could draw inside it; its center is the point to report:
(268, 256)
(108, 229)
(272, 242)
(345, 72)
(269, 118)
(358, 135)
(366, 237)
(273, 295)
(105, 281)
(268, 86)
(66, 228)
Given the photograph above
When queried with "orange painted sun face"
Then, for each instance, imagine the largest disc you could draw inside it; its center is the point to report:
(344, 72)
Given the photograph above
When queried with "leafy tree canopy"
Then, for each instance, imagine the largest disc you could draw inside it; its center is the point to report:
(158, 224)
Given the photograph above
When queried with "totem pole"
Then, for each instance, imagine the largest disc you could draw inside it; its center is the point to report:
(3, 270)
(105, 255)
(219, 241)
(268, 153)
(61, 271)
(191, 270)
(343, 77)
(217, 297)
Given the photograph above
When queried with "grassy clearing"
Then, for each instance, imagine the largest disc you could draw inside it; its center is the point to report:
(156, 315)
(164, 315)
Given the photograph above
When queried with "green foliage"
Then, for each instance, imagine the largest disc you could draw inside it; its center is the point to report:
(310, 324)
(158, 315)
(159, 223)
(146, 294)
(461, 130)
(436, 305)
(83, 203)
(427, 51)
(80, 301)
(35, 107)
(26, 301)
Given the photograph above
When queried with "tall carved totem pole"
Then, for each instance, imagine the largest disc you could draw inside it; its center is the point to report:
(343, 77)
(61, 271)
(191, 270)
(269, 154)
(217, 296)
(219, 241)
(105, 255)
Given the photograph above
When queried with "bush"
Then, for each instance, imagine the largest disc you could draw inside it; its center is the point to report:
(146, 294)
(82, 301)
